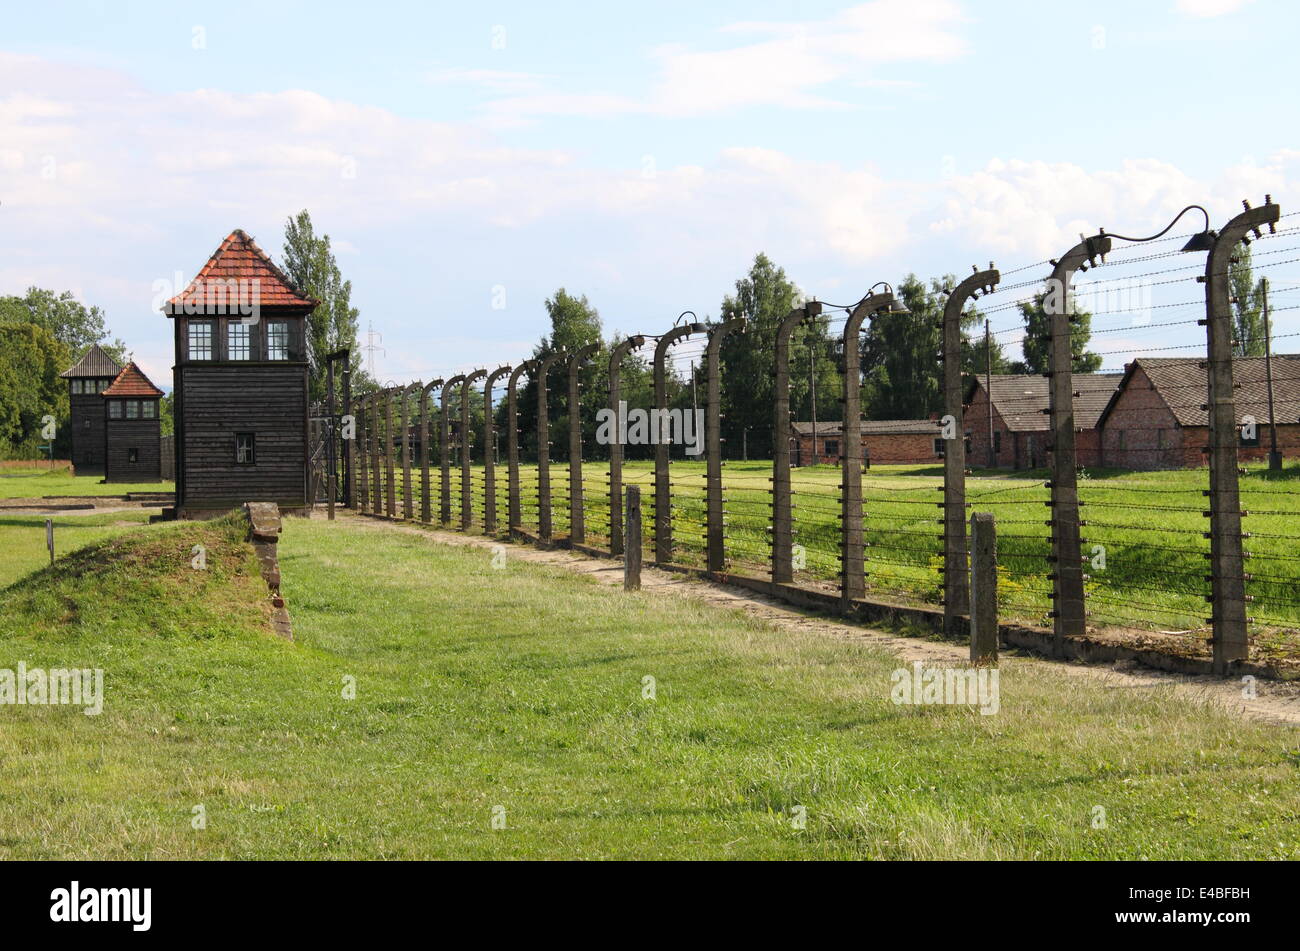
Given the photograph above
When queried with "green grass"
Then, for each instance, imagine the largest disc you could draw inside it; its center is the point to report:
(23, 550)
(522, 688)
(22, 482)
(1149, 524)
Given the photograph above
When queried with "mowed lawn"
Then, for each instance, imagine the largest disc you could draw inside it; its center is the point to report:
(429, 692)
(38, 480)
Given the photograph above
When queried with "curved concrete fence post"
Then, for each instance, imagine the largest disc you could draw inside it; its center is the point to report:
(390, 486)
(544, 527)
(514, 513)
(1066, 559)
(852, 544)
(782, 527)
(489, 452)
(444, 432)
(466, 447)
(426, 453)
(577, 516)
(956, 571)
(362, 501)
(1230, 641)
(715, 546)
(616, 357)
(408, 494)
(660, 434)
(376, 437)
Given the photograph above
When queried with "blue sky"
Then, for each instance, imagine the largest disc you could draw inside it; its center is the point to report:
(639, 154)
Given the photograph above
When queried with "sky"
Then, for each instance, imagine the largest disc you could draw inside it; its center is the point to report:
(469, 159)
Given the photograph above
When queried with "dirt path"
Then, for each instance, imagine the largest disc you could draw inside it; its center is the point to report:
(1275, 702)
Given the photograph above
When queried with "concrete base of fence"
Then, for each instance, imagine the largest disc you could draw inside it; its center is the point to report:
(1039, 641)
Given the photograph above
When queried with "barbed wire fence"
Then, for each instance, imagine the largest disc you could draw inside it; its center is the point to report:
(1113, 520)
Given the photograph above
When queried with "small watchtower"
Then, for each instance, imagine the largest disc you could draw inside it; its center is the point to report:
(86, 381)
(240, 384)
(132, 429)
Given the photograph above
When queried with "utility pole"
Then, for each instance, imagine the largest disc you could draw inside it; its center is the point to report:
(1274, 457)
(988, 389)
(370, 347)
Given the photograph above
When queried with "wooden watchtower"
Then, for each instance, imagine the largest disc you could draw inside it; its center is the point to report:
(86, 381)
(132, 430)
(240, 383)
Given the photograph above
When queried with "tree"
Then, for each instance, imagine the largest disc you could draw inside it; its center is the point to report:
(1247, 306)
(1038, 326)
(575, 323)
(309, 263)
(31, 359)
(65, 318)
(765, 296)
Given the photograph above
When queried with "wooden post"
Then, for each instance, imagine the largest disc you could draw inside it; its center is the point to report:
(984, 590)
(632, 548)
(49, 538)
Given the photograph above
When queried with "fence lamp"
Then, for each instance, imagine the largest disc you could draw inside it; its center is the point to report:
(1201, 241)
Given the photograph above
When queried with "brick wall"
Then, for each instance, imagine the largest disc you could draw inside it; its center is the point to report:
(879, 449)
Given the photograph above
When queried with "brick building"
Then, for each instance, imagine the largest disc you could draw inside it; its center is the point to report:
(1021, 426)
(884, 442)
(1157, 418)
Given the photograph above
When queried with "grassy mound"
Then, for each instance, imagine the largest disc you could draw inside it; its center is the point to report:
(143, 584)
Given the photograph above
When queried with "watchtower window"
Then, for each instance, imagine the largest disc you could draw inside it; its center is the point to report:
(132, 409)
(237, 341)
(149, 409)
(76, 388)
(133, 455)
(245, 449)
(114, 409)
(200, 340)
(277, 340)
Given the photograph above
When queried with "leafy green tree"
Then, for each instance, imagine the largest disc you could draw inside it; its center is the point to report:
(1247, 307)
(575, 323)
(309, 262)
(31, 359)
(764, 297)
(67, 319)
(1038, 327)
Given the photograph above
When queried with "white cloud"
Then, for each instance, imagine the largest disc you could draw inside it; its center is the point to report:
(783, 68)
(1036, 209)
(1209, 8)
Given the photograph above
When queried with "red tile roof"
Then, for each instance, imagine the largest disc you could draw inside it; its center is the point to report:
(238, 260)
(132, 382)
